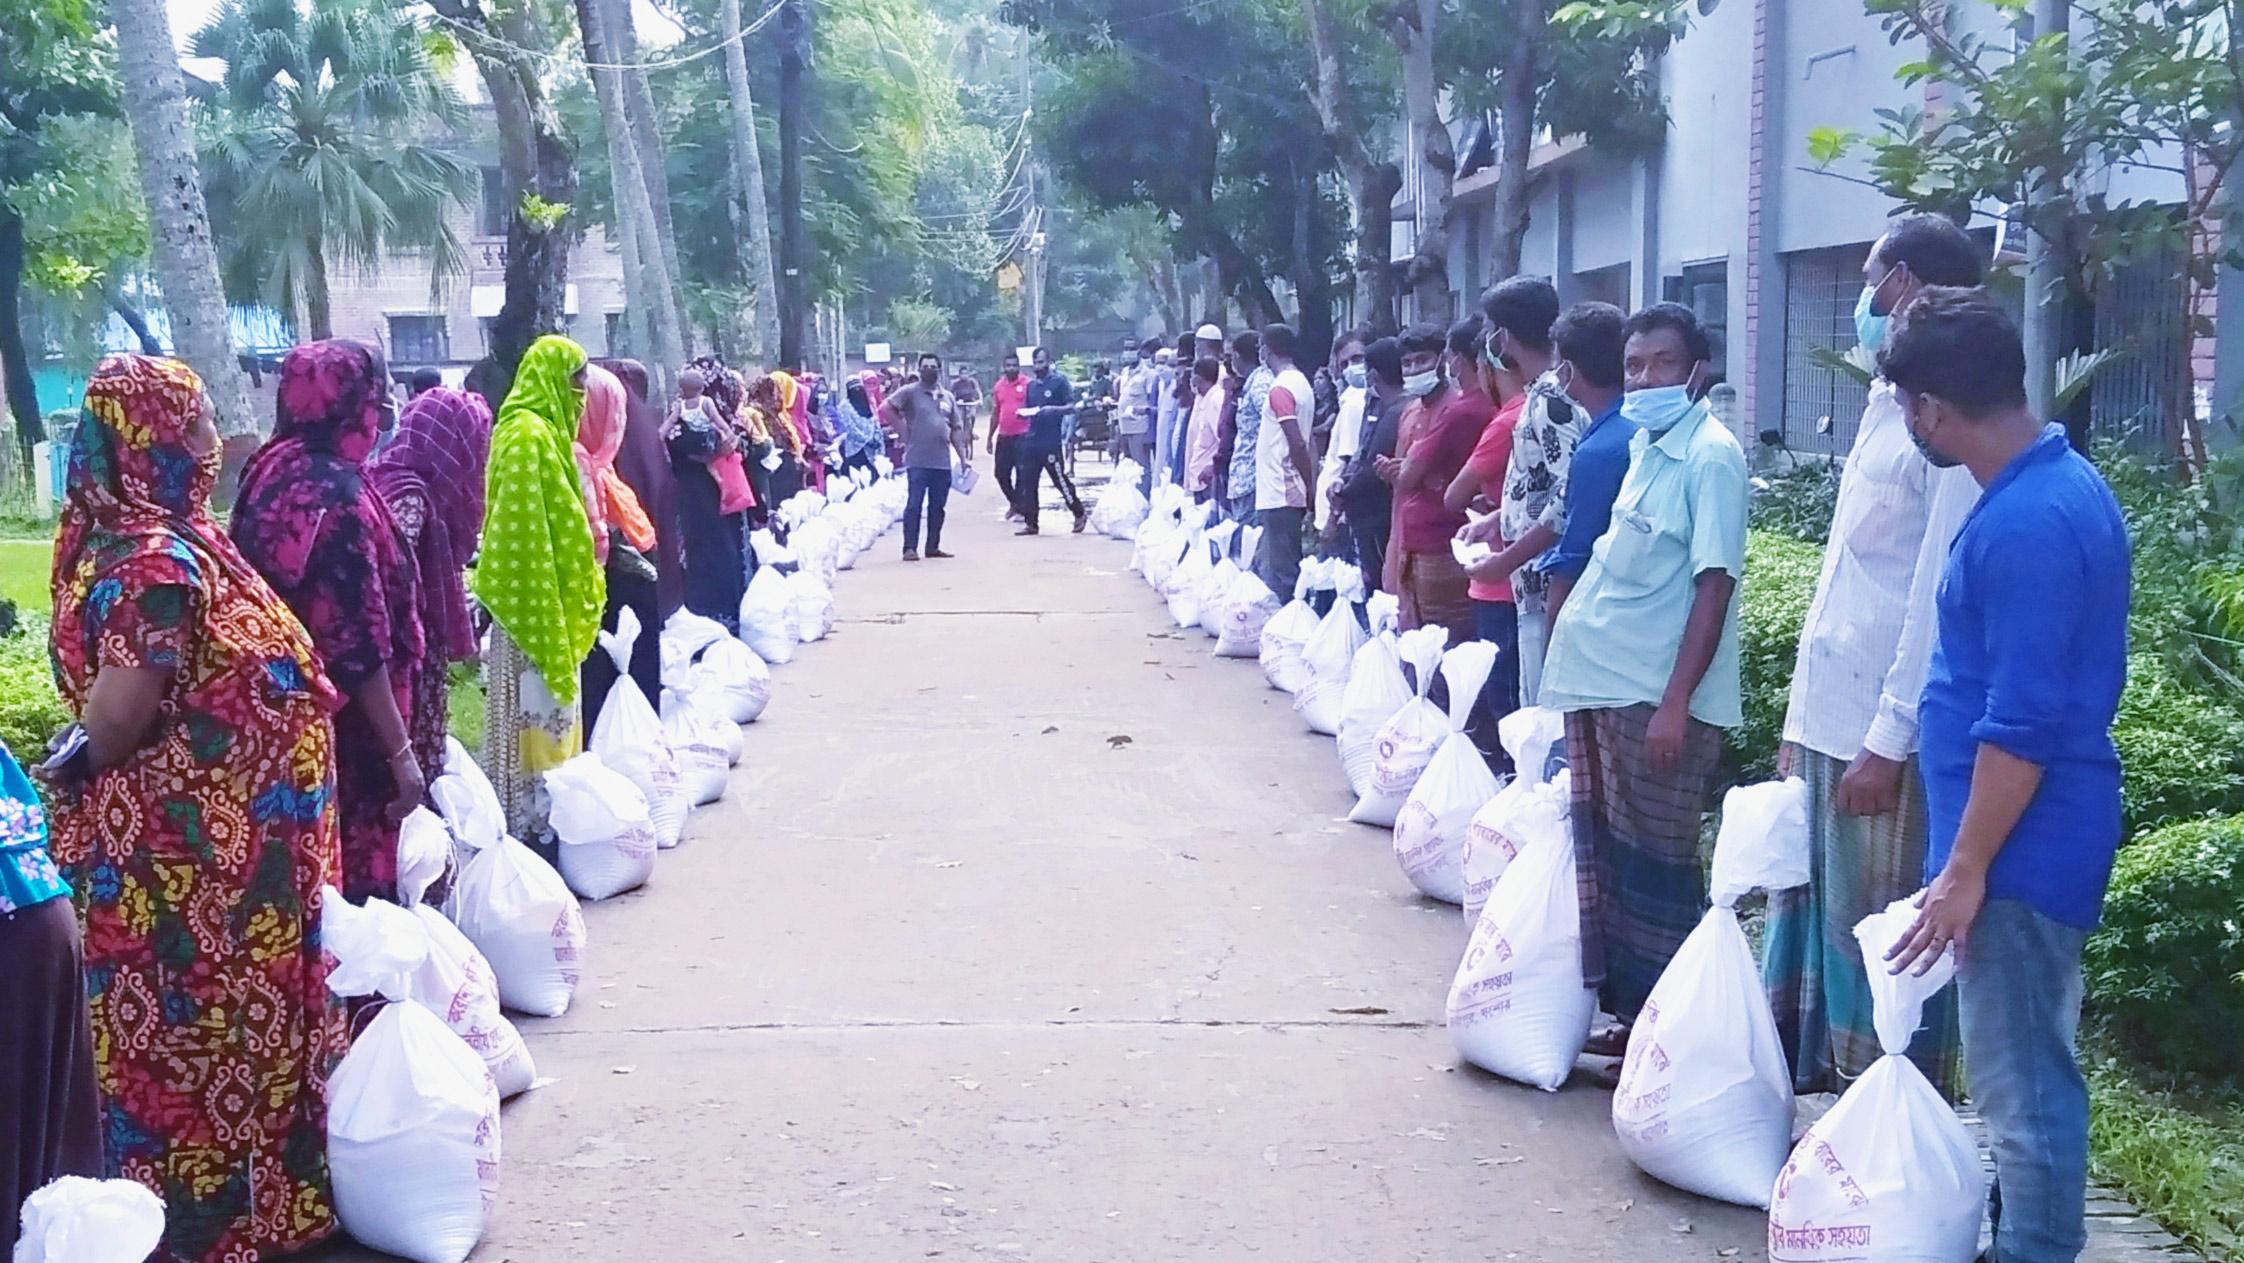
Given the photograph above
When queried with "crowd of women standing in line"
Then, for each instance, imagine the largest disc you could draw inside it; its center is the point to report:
(260, 702)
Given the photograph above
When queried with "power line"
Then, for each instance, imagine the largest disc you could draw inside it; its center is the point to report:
(663, 64)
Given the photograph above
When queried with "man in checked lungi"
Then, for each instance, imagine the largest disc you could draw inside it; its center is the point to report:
(1644, 664)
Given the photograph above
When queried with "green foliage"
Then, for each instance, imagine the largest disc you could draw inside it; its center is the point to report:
(541, 214)
(1780, 575)
(31, 712)
(2177, 1154)
(2181, 749)
(2165, 972)
(1798, 501)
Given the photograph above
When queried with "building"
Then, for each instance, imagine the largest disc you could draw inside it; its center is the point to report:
(1733, 218)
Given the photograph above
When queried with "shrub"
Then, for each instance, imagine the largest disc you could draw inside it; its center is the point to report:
(2165, 972)
(1797, 502)
(1780, 575)
(31, 711)
(2181, 750)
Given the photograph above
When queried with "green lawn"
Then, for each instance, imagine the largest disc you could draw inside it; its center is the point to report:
(24, 566)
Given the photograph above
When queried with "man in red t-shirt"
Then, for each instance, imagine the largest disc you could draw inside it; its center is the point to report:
(1477, 489)
(1427, 576)
(1007, 425)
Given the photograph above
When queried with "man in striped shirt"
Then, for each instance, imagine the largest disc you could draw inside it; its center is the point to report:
(1851, 728)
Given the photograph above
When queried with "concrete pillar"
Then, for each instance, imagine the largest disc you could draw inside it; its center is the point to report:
(1760, 371)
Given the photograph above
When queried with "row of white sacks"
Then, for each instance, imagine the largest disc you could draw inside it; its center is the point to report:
(413, 1110)
(1705, 1100)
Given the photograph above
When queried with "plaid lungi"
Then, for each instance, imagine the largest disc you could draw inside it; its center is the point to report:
(1810, 962)
(1434, 589)
(1636, 849)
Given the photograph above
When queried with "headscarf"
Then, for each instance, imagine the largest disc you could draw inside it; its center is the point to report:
(774, 395)
(538, 575)
(442, 444)
(305, 500)
(644, 465)
(608, 503)
(136, 515)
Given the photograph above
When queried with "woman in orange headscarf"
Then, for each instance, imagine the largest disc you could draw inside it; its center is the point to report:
(623, 538)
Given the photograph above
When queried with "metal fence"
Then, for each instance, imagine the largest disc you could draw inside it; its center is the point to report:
(1822, 406)
(2140, 310)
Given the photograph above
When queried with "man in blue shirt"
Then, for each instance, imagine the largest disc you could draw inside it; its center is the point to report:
(2020, 774)
(1049, 402)
(1589, 338)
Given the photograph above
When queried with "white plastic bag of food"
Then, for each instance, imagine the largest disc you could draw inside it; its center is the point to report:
(424, 854)
(1430, 829)
(456, 984)
(470, 806)
(740, 679)
(1184, 583)
(702, 762)
(628, 738)
(1376, 690)
(1326, 659)
(684, 635)
(1517, 1006)
(1405, 740)
(1530, 735)
(520, 915)
(1705, 1097)
(1889, 1172)
(1284, 636)
(79, 1220)
(413, 1138)
(1248, 605)
(1521, 814)
(813, 606)
(600, 818)
(1213, 591)
(766, 617)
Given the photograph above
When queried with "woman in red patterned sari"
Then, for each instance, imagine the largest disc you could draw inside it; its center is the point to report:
(196, 829)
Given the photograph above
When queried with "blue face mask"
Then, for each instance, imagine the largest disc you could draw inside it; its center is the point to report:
(1658, 408)
(1355, 376)
(1869, 326)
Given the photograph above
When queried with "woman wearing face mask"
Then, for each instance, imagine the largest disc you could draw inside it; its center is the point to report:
(195, 822)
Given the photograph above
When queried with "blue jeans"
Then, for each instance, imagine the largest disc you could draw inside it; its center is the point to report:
(1498, 622)
(2018, 992)
(933, 487)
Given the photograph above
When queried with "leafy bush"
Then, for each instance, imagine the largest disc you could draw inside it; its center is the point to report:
(1797, 502)
(1780, 575)
(2165, 972)
(2181, 749)
(31, 711)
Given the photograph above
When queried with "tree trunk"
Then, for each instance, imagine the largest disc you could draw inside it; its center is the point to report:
(748, 191)
(646, 136)
(1515, 111)
(15, 358)
(114, 294)
(1372, 182)
(155, 99)
(634, 210)
(318, 311)
(1413, 31)
(534, 158)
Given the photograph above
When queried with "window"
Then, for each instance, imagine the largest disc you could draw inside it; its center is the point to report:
(491, 220)
(1822, 405)
(418, 340)
(1705, 289)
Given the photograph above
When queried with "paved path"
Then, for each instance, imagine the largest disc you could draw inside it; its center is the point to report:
(950, 973)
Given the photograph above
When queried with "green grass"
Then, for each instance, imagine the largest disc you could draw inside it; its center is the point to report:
(467, 707)
(2177, 1155)
(24, 573)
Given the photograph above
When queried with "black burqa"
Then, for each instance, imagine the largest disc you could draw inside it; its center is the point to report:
(644, 466)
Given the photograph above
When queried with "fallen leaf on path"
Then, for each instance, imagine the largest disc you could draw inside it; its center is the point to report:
(945, 1185)
(622, 1069)
(1680, 1227)
(1049, 730)
(1627, 1204)
(1426, 1133)
(1726, 1252)
(971, 1085)
(1360, 1010)
(1183, 855)
(1498, 1162)
(949, 863)
(1118, 740)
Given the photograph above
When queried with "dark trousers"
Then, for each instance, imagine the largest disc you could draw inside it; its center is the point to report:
(1278, 558)
(1499, 626)
(1034, 459)
(598, 675)
(1371, 550)
(1008, 454)
(933, 487)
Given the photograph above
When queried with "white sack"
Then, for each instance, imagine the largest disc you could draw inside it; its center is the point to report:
(1327, 658)
(1890, 1173)
(1248, 605)
(1376, 690)
(464, 797)
(79, 1220)
(1529, 735)
(1522, 814)
(693, 737)
(1284, 636)
(456, 984)
(601, 820)
(424, 852)
(1184, 583)
(1430, 829)
(520, 915)
(628, 738)
(813, 606)
(766, 617)
(1213, 591)
(413, 1138)
(684, 635)
(1404, 742)
(740, 680)
(1517, 1006)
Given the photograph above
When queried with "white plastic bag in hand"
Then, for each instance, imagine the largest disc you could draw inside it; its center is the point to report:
(1430, 829)
(1248, 605)
(1405, 740)
(1376, 690)
(456, 984)
(1517, 1006)
(702, 762)
(767, 617)
(1521, 814)
(1327, 658)
(79, 1220)
(424, 852)
(607, 836)
(413, 1138)
(1889, 1173)
(1705, 1097)
(520, 915)
(628, 738)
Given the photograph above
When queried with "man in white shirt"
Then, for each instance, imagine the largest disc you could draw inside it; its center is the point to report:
(1284, 467)
(1851, 728)
(1138, 392)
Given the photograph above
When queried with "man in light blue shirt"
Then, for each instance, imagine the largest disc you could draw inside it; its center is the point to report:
(1644, 664)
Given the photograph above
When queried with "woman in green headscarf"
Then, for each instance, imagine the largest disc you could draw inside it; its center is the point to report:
(538, 577)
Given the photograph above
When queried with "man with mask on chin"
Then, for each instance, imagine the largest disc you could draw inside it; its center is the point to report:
(934, 433)
(1851, 728)
(2021, 778)
(1643, 663)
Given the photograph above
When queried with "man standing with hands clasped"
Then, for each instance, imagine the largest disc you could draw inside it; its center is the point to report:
(1284, 466)
(2014, 730)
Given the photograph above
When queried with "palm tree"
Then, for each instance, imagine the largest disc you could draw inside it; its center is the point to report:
(316, 140)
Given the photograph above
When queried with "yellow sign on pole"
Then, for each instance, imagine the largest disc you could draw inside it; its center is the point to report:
(1009, 276)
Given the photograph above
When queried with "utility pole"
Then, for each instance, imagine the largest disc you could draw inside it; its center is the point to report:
(2045, 277)
(794, 41)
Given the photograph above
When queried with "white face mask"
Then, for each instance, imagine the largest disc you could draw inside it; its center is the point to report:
(1420, 385)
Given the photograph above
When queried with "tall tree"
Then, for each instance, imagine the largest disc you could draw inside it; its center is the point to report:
(1373, 177)
(748, 191)
(647, 137)
(654, 299)
(155, 98)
